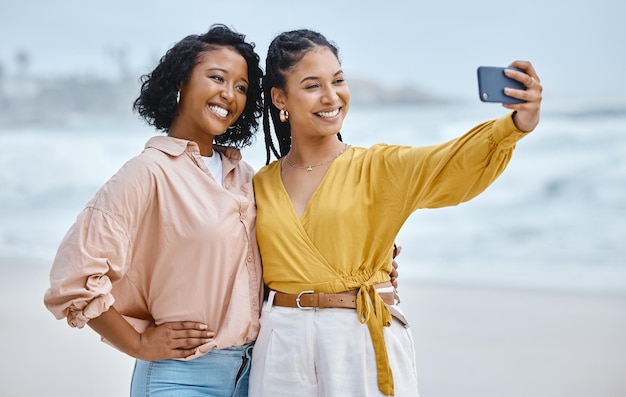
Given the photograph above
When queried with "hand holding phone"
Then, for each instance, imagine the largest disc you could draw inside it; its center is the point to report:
(491, 84)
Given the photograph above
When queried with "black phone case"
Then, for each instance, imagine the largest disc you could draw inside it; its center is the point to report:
(491, 83)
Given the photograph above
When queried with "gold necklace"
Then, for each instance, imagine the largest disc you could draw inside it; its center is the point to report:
(309, 168)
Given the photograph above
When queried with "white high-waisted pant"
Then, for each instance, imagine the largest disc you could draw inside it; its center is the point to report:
(326, 353)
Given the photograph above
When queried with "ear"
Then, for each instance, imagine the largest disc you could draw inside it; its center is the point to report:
(278, 97)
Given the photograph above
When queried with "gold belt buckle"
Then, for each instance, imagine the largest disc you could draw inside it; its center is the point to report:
(298, 300)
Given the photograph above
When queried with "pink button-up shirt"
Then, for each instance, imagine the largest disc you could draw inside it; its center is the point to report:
(162, 241)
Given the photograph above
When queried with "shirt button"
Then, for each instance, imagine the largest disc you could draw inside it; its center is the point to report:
(249, 258)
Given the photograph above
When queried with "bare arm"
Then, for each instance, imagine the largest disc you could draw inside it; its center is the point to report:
(170, 340)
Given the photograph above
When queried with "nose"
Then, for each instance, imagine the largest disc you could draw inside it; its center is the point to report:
(329, 94)
(228, 92)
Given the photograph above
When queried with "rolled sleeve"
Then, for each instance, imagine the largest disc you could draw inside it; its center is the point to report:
(77, 317)
(89, 260)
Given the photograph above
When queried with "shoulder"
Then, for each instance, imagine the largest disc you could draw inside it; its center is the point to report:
(244, 169)
(148, 162)
(376, 152)
(268, 170)
(136, 177)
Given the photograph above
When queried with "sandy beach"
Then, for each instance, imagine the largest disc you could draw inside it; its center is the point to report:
(470, 341)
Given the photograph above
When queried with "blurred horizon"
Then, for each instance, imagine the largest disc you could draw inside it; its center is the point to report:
(435, 47)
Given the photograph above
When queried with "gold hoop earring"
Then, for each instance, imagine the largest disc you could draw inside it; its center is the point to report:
(283, 115)
(178, 97)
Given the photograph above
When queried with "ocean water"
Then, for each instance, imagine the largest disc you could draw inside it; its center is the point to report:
(556, 218)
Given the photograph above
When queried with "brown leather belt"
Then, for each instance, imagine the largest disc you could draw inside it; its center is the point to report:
(310, 300)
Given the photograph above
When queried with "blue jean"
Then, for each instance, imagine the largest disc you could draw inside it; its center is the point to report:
(220, 373)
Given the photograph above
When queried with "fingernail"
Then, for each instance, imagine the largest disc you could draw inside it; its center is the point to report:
(203, 326)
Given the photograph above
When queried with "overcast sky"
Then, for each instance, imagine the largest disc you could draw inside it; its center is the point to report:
(576, 46)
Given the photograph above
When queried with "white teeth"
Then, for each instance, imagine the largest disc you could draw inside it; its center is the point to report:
(328, 115)
(218, 110)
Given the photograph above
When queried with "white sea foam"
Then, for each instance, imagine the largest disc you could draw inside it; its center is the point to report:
(556, 218)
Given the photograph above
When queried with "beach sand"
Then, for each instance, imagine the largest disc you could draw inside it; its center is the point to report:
(470, 341)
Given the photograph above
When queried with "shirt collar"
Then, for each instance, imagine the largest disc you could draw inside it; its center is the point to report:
(176, 146)
(172, 146)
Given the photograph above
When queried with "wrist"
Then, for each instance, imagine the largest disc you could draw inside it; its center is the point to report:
(524, 126)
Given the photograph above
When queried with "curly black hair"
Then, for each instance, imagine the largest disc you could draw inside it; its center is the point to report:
(156, 103)
(284, 52)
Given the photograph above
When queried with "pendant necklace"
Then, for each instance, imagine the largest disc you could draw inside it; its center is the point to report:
(309, 168)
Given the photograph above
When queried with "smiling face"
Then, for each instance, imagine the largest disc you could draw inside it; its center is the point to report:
(213, 98)
(317, 96)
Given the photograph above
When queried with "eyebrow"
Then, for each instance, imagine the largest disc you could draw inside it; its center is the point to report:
(226, 72)
(316, 77)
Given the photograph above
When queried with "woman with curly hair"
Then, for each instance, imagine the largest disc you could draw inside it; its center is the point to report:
(163, 262)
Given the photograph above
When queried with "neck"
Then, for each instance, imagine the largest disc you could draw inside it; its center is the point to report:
(312, 152)
(324, 159)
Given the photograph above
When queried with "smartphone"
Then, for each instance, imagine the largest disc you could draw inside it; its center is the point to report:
(491, 83)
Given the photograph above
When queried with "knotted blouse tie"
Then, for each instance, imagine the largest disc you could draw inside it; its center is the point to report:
(372, 310)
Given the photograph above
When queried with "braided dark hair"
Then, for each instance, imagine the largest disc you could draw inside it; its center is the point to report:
(284, 52)
(156, 103)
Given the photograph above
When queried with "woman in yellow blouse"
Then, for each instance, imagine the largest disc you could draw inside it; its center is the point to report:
(328, 214)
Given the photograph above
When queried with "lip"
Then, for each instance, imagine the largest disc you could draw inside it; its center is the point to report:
(218, 110)
(329, 114)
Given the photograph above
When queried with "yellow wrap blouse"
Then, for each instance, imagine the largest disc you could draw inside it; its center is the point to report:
(344, 239)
